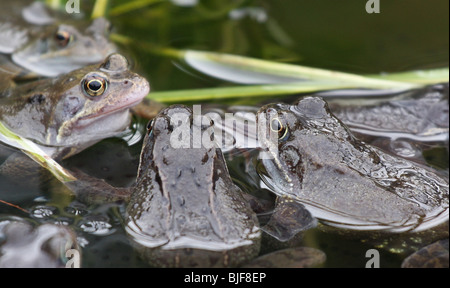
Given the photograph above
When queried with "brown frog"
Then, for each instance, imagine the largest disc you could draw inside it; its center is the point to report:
(46, 43)
(66, 114)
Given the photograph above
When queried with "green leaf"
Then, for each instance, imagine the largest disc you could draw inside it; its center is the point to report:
(215, 64)
(418, 76)
(131, 6)
(99, 9)
(242, 91)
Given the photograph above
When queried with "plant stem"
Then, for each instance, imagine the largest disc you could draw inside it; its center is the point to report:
(241, 91)
(131, 6)
(35, 153)
(54, 4)
(99, 9)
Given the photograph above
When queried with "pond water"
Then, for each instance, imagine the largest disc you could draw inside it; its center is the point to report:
(336, 35)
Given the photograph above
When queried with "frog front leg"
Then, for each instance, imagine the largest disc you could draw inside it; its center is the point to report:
(289, 218)
(91, 190)
(20, 169)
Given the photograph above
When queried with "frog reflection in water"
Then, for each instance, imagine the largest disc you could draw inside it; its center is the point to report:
(43, 42)
(27, 245)
(317, 162)
(66, 114)
(185, 210)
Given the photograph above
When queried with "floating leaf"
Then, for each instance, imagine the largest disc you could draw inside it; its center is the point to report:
(233, 68)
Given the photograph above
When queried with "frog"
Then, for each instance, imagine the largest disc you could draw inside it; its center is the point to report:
(435, 255)
(409, 124)
(47, 44)
(184, 210)
(308, 156)
(66, 114)
(25, 244)
(416, 114)
(297, 257)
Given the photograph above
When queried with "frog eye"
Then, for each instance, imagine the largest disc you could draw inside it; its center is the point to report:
(63, 38)
(277, 126)
(95, 86)
(150, 125)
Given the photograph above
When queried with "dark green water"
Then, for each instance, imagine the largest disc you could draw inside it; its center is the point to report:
(329, 34)
(338, 35)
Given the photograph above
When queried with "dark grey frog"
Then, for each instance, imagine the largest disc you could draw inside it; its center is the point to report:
(185, 210)
(45, 43)
(316, 161)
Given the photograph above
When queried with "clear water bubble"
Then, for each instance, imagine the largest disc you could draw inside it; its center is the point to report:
(404, 148)
(66, 221)
(43, 212)
(98, 225)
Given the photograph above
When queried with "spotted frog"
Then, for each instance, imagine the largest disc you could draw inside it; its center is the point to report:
(312, 158)
(23, 244)
(69, 113)
(46, 43)
(185, 210)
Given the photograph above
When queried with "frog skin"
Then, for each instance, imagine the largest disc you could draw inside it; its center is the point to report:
(39, 42)
(316, 161)
(435, 255)
(419, 115)
(184, 210)
(66, 114)
(406, 124)
(26, 245)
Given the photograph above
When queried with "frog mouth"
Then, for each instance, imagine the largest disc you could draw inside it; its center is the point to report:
(140, 91)
(105, 122)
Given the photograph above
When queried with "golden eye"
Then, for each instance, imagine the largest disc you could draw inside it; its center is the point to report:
(95, 86)
(63, 38)
(277, 126)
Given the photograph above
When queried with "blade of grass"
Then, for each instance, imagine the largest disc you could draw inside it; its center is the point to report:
(131, 6)
(99, 9)
(198, 59)
(35, 153)
(424, 77)
(242, 91)
(54, 4)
